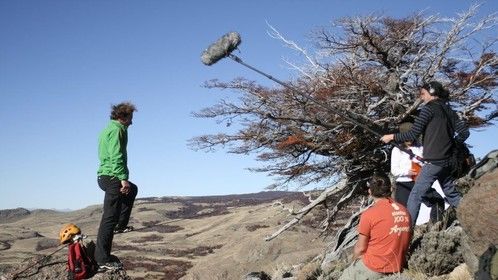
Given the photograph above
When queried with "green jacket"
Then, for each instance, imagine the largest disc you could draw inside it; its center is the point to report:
(112, 151)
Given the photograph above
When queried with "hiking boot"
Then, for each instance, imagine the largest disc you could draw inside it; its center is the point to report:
(123, 230)
(110, 266)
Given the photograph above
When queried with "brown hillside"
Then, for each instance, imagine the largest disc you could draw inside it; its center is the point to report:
(219, 237)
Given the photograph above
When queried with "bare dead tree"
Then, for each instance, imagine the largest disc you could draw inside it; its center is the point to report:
(370, 68)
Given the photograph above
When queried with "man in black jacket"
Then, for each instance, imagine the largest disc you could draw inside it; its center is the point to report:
(440, 127)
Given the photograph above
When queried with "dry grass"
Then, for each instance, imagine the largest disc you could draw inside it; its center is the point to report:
(309, 271)
(164, 268)
(255, 227)
(148, 238)
(212, 238)
(461, 272)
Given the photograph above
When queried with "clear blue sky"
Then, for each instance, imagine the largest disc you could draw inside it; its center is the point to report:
(63, 63)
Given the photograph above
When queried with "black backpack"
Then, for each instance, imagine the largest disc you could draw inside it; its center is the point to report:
(461, 160)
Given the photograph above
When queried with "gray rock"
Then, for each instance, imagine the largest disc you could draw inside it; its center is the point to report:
(470, 259)
(477, 213)
(46, 243)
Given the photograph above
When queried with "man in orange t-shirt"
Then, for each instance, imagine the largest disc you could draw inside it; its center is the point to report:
(384, 235)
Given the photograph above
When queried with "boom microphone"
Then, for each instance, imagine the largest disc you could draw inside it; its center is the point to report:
(221, 48)
(230, 41)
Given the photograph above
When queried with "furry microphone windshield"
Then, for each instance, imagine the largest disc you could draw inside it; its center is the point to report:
(221, 48)
(229, 42)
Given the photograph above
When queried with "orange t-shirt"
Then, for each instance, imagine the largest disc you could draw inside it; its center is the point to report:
(387, 226)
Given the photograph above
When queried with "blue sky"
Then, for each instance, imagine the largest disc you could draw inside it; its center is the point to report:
(63, 63)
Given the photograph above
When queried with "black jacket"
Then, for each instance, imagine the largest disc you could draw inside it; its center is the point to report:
(440, 127)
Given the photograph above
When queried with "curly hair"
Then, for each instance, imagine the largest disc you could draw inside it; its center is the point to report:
(122, 110)
(380, 186)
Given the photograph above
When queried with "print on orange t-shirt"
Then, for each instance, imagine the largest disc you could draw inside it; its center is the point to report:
(387, 226)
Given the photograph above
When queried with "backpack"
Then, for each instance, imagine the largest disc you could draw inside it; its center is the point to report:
(461, 159)
(79, 263)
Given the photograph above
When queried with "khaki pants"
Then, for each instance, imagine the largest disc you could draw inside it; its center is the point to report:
(358, 271)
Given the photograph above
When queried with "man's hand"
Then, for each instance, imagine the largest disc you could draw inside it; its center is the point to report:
(125, 187)
(361, 246)
(387, 138)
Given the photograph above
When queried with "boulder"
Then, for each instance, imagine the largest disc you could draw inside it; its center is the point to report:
(46, 243)
(478, 212)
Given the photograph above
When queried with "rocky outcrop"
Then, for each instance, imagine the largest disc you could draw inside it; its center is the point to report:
(39, 267)
(46, 267)
(478, 212)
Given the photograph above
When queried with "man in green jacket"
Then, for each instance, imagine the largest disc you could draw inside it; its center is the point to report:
(112, 178)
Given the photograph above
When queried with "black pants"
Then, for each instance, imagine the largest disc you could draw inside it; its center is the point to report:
(431, 199)
(116, 214)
